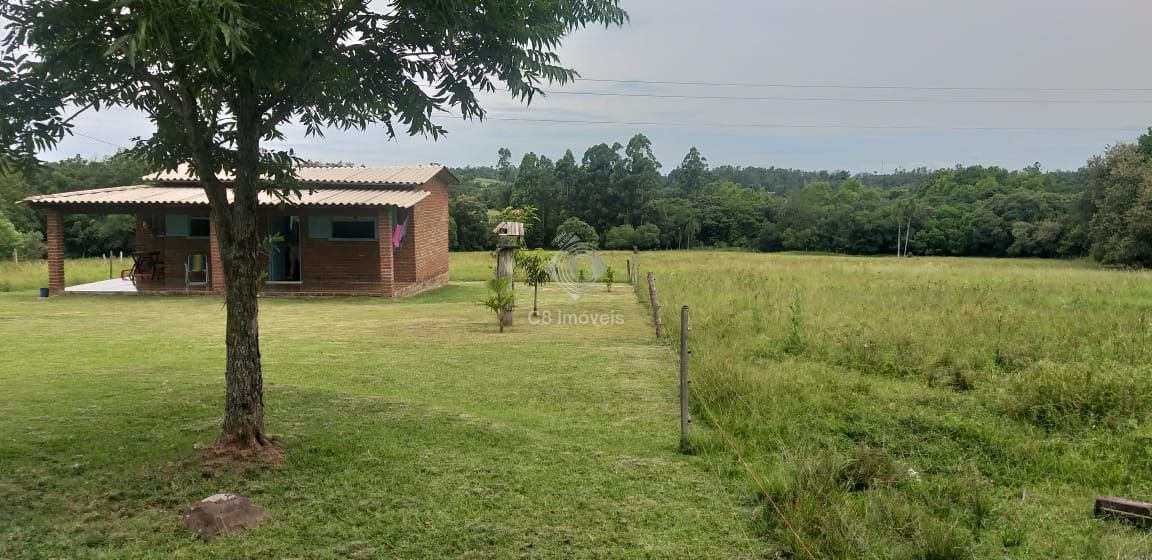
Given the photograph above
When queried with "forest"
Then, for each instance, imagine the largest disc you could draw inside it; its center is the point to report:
(617, 196)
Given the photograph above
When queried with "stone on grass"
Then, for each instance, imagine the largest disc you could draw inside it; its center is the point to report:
(223, 513)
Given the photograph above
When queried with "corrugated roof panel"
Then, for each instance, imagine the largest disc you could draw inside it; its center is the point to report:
(152, 194)
(388, 175)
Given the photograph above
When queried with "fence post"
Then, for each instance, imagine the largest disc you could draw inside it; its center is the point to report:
(684, 418)
(655, 305)
(629, 262)
(636, 285)
(109, 265)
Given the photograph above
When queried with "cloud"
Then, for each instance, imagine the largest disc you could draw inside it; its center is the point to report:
(974, 44)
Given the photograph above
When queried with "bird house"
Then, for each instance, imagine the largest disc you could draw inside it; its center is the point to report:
(509, 235)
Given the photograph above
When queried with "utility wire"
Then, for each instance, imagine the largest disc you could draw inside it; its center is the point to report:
(852, 86)
(99, 140)
(852, 99)
(820, 126)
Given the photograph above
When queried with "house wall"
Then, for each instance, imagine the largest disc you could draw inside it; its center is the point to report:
(430, 236)
(174, 251)
(325, 265)
(334, 262)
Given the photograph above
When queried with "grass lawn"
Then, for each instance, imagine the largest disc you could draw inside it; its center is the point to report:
(412, 430)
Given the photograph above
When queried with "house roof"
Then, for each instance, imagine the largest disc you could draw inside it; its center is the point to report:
(509, 228)
(194, 195)
(396, 175)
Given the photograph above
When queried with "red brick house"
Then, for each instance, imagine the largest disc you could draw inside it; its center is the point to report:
(353, 231)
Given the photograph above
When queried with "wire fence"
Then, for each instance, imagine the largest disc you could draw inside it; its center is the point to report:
(691, 398)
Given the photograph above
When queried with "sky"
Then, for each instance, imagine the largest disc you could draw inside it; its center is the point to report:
(906, 83)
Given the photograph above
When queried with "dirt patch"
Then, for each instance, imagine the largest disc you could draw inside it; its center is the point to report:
(217, 459)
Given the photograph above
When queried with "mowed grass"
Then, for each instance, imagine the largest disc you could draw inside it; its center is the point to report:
(921, 408)
(411, 428)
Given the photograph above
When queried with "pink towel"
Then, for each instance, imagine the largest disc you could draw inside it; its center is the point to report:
(398, 234)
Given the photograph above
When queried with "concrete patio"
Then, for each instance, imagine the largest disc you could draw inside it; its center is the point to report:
(112, 286)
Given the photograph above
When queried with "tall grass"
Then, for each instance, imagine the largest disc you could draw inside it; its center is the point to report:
(922, 408)
(30, 275)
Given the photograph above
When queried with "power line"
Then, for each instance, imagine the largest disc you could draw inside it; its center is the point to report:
(851, 99)
(99, 140)
(821, 126)
(854, 86)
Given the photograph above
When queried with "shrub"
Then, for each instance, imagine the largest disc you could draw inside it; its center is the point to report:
(646, 236)
(575, 230)
(620, 237)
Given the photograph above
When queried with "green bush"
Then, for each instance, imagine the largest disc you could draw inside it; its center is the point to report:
(575, 230)
(646, 236)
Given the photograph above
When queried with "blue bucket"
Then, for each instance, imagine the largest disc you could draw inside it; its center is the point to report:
(43, 292)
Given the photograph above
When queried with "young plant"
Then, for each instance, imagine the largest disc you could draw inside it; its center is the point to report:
(583, 271)
(608, 277)
(794, 344)
(534, 263)
(500, 300)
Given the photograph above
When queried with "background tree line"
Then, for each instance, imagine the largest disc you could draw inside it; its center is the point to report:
(22, 229)
(617, 194)
(617, 197)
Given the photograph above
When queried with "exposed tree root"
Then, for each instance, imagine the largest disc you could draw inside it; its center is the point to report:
(242, 452)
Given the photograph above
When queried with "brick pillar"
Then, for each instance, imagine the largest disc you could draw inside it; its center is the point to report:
(55, 238)
(215, 265)
(384, 239)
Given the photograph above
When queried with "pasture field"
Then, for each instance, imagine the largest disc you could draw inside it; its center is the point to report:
(411, 430)
(843, 408)
(921, 408)
(31, 275)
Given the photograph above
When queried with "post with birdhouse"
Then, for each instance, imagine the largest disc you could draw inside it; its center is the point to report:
(509, 238)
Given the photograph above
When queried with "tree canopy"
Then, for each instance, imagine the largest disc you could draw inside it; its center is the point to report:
(220, 78)
(974, 210)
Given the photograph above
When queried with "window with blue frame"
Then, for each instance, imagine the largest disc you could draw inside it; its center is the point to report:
(343, 228)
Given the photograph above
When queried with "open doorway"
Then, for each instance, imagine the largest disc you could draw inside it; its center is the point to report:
(284, 256)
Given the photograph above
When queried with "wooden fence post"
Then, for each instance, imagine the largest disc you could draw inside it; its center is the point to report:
(655, 305)
(636, 286)
(505, 269)
(629, 262)
(684, 418)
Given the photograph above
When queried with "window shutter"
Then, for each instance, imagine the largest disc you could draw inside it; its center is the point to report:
(319, 227)
(176, 225)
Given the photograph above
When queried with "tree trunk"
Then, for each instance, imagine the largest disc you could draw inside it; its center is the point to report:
(239, 250)
(535, 296)
(243, 375)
